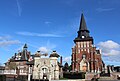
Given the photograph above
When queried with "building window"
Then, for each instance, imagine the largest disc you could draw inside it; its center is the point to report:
(81, 49)
(44, 70)
(88, 50)
(78, 44)
(84, 44)
(81, 44)
(78, 50)
(87, 44)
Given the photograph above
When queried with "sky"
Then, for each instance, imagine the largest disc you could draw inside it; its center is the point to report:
(48, 25)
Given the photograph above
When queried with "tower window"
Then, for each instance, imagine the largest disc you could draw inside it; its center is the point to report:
(78, 44)
(82, 44)
(88, 50)
(87, 44)
(79, 51)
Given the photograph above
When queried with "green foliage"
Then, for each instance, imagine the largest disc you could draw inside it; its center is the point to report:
(75, 75)
(65, 67)
(70, 67)
(2, 78)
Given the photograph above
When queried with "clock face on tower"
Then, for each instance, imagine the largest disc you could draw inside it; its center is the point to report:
(83, 36)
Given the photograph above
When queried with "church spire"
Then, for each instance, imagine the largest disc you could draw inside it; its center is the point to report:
(83, 31)
(25, 46)
(83, 25)
(24, 54)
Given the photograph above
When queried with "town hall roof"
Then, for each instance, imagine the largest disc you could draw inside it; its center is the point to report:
(54, 54)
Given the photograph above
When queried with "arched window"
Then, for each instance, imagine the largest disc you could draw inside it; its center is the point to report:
(45, 70)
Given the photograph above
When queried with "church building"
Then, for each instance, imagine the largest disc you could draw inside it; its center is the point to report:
(85, 56)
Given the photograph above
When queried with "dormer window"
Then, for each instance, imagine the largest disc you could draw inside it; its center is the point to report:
(83, 37)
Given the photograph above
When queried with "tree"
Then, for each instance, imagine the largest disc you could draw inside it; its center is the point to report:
(66, 67)
(70, 67)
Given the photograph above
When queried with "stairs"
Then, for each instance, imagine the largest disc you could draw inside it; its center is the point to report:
(106, 78)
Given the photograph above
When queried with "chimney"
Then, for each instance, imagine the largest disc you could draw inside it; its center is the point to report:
(61, 60)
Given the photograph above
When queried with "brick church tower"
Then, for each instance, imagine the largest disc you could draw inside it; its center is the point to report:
(85, 56)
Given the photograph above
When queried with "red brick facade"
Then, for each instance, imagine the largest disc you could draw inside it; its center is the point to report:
(85, 56)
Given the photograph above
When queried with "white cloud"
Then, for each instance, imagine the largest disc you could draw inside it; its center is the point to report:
(47, 22)
(50, 45)
(5, 37)
(9, 42)
(44, 50)
(5, 41)
(19, 8)
(67, 59)
(38, 34)
(48, 48)
(109, 44)
(104, 9)
(111, 53)
(110, 50)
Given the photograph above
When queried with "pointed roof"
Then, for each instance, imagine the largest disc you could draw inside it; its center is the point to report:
(83, 25)
(83, 32)
(25, 46)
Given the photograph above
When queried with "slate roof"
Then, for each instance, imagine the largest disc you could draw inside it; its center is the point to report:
(83, 31)
(83, 25)
(30, 62)
(2, 67)
(21, 56)
(54, 54)
(25, 46)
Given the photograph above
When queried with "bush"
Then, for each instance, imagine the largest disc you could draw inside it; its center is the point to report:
(2, 78)
(74, 75)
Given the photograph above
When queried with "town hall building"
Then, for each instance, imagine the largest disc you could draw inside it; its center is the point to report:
(85, 56)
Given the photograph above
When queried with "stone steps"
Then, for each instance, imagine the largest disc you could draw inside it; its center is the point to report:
(106, 78)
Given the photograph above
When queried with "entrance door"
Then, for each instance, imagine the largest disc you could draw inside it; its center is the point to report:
(84, 67)
(45, 72)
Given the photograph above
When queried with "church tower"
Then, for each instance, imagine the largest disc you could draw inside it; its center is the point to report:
(85, 57)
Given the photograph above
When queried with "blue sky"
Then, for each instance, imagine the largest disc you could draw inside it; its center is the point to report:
(48, 25)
